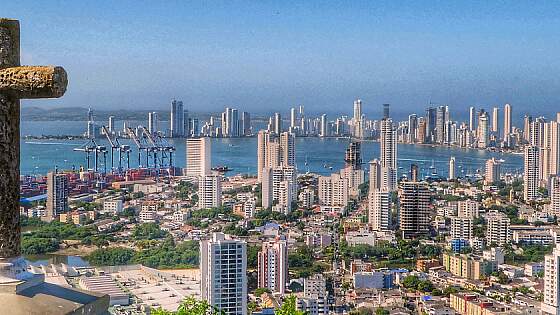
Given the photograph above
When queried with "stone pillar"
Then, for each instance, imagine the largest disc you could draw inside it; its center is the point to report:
(10, 230)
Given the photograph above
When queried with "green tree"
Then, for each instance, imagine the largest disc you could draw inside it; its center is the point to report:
(381, 311)
(289, 307)
(191, 306)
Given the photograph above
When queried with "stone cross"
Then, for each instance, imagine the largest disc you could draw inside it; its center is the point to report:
(17, 82)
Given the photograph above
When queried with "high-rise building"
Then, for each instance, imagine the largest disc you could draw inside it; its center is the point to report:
(551, 150)
(498, 229)
(111, 124)
(287, 149)
(452, 168)
(57, 195)
(357, 120)
(472, 118)
(277, 123)
(441, 114)
(388, 158)
(177, 119)
(245, 124)
(352, 157)
(507, 121)
(223, 273)
(482, 131)
(333, 190)
(527, 120)
(315, 296)
(209, 191)
(496, 121)
(414, 172)
(531, 174)
(431, 117)
(198, 157)
(152, 122)
(462, 228)
(234, 123)
(379, 210)
(492, 174)
(279, 188)
(293, 118)
(414, 209)
(422, 130)
(467, 209)
(374, 175)
(273, 265)
(551, 302)
(412, 128)
(324, 129)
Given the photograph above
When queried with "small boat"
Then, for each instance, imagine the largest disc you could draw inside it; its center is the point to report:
(221, 169)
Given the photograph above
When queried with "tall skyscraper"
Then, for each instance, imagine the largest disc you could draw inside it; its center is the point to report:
(495, 121)
(386, 111)
(452, 168)
(414, 209)
(422, 135)
(527, 120)
(287, 149)
(472, 118)
(293, 118)
(234, 123)
(482, 131)
(414, 172)
(177, 119)
(412, 128)
(492, 174)
(531, 174)
(223, 273)
(431, 117)
(245, 124)
(111, 123)
(209, 191)
(357, 120)
(388, 158)
(374, 175)
(323, 132)
(353, 157)
(273, 265)
(57, 195)
(152, 122)
(380, 210)
(199, 154)
(551, 150)
(441, 115)
(507, 121)
(277, 123)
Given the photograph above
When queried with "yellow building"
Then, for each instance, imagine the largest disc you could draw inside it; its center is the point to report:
(465, 266)
(476, 304)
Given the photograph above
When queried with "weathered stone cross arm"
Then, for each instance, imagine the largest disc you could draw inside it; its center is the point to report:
(33, 81)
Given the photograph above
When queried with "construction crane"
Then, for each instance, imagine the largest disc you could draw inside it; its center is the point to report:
(116, 145)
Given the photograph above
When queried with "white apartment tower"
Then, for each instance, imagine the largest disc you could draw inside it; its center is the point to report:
(209, 191)
(380, 210)
(492, 174)
(461, 228)
(498, 229)
(279, 185)
(482, 132)
(333, 190)
(223, 273)
(452, 168)
(274, 151)
(198, 157)
(531, 176)
(273, 266)
(374, 175)
(551, 303)
(388, 158)
(507, 121)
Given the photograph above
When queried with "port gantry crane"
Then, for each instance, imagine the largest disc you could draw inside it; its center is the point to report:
(122, 148)
(93, 146)
(159, 145)
(141, 147)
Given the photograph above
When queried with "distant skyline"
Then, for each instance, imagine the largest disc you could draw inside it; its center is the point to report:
(267, 56)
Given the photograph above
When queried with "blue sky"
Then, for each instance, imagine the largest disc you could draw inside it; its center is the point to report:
(270, 55)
